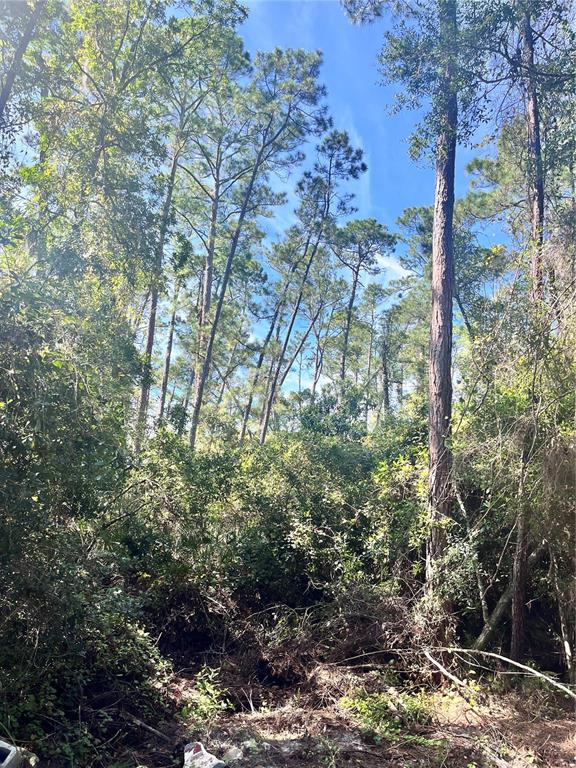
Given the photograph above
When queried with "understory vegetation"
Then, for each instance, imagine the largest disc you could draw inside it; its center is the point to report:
(240, 461)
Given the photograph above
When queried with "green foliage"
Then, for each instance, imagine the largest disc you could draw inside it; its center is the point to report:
(208, 700)
(69, 632)
(389, 715)
(143, 150)
(334, 414)
(298, 517)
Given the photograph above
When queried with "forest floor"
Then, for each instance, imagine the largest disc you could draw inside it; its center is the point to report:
(310, 725)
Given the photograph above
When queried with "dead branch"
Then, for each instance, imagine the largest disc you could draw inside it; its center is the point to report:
(530, 670)
(446, 673)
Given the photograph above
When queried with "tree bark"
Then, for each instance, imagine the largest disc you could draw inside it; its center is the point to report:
(186, 401)
(256, 377)
(536, 198)
(385, 380)
(208, 273)
(400, 388)
(225, 376)
(319, 352)
(440, 492)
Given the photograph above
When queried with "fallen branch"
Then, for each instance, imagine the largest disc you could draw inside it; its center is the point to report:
(446, 673)
(142, 724)
(531, 670)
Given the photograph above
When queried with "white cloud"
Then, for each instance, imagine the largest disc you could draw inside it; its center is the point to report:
(392, 267)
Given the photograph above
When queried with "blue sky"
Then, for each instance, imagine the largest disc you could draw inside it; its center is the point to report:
(357, 100)
(359, 104)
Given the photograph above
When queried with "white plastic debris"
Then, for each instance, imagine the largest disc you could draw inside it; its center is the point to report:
(195, 756)
(10, 756)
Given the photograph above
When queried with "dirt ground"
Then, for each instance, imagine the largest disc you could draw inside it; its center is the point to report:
(307, 726)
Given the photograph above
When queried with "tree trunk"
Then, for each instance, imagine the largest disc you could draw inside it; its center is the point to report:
(172, 393)
(256, 377)
(385, 380)
(154, 292)
(262, 355)
(208, 273)
(349, 310)
(18, 56)
(400, 388)
(482, 588)
(501, 607)
(186, 401)
(204, 372)
(535, 166)
(319, 353)
(300, 347)
(564, 619)
(168, 353)
(369, 370)
(536, 197)
(318, 365)
(519, 573)
(274, 381)
(230, 368)
(440, 361)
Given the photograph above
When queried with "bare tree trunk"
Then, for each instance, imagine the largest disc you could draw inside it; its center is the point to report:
(230, 368)
(369, 370)
(262, 355)
(385, 380)
(256, 377)
(440, 491)
(349, 310)
(191, 379)
(208, 273)
(318, 365)
(268, 379)
(536, 197)
(535, 168)
(154, 293)
(172, 393)
(266, 413)
(18, 56)
(202, 378)
(300, 347)
(319, 353)
(168, 353)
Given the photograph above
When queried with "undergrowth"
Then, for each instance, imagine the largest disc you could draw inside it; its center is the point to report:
(390, 715)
